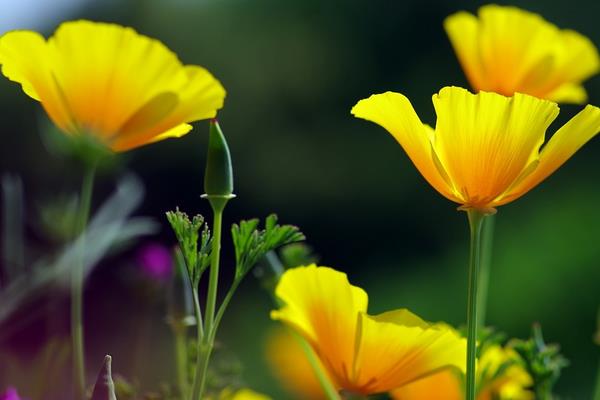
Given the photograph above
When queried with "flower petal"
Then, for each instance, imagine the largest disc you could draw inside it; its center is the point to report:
(462, 29)
(108, 72)
(397, 348)
(446, 383)
(25, 59)
(201, 97)
(394, 112)
(485, 141)
(563, 144)
(508, 50)
(322, 306)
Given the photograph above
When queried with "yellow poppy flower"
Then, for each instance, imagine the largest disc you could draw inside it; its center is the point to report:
(290, 365)
(508, 50)
(485, 149)
(363, 354)
(499, 374)
(243, 394)
(108, 81)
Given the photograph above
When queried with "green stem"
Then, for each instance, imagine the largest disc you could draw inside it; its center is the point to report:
(224, 305)
(597, 391)
(77, 278)
(328, 388)
(207, 342)
(475, 222)
(181, 359)
(487, 240)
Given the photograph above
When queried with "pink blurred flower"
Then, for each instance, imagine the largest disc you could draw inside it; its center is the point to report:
(155, 261)
(10, 394)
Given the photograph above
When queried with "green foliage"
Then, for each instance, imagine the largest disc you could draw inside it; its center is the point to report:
(251, 243)
(196, 255)
(297, 254)
(543, 362)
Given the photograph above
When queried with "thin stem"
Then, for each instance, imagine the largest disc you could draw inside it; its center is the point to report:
(181, 359)
(77, 277)
(206, 344)
(198, 314)
(597, 391)
(475, 222)
(328, 388)
(223, 306)
(487, 240)
(199, 345)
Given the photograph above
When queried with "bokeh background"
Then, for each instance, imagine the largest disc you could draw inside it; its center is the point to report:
(292, 70)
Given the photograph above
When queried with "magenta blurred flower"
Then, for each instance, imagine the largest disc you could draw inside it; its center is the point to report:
(155, 261)
(10, 394)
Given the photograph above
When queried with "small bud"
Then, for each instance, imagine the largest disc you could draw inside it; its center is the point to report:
(218, 178)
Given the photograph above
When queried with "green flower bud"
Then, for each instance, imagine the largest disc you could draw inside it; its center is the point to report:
(218, 178)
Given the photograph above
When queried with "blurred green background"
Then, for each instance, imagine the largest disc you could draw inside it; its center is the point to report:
(292, 70)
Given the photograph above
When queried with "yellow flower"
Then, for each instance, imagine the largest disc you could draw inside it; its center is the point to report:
(499, 376)
(362, 353)
(108, 81)
(289, 364)
(485, 149)
(508, 50)
(242, 394)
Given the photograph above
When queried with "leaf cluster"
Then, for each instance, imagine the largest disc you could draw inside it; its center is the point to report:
(195, 244)
(252, 243)
(544, 362)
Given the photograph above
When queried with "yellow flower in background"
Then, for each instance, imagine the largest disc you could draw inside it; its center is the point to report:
(500, 376)
(485, 149)
(242, 394)
(508, 50)
(289, 364)
(108, 81)
(247, 394)
(363, 354)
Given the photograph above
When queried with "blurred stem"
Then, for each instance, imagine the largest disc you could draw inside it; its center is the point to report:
(224, 305)
(597, 390)
(206, 344)
(330, 391)
(77, 278)
(476, 219)
(181, 358)
(487, 239)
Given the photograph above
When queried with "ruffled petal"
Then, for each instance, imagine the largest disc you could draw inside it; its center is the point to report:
(508, 50)
(322, 306)
(462, 29)
(485, 141)
(25, 59)
(563, 144)
(394, 112)
(397, 348)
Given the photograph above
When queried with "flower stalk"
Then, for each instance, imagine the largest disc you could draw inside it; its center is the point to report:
(218, 186)
(77, 279)
(476, 220)
(487, 240)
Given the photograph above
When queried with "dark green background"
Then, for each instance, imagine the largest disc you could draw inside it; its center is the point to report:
(293, 70)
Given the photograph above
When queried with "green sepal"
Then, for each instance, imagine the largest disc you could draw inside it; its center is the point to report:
(251, 243)
(105, 387)
(218, 176)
